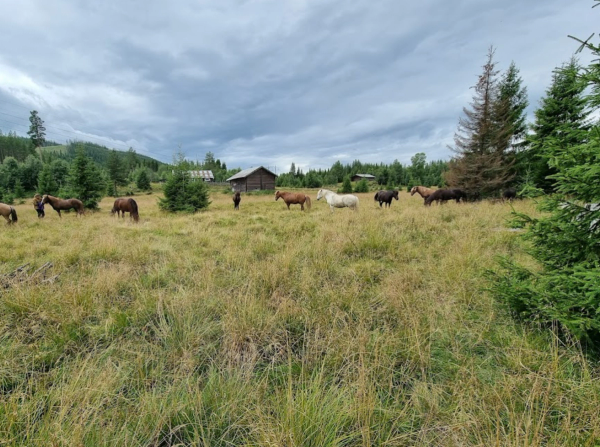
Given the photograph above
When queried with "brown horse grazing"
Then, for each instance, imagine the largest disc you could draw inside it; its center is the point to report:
(386, 197)
(9, 213)
(59, 205)
(424, 192)
(236, 201)
(293, 198)
(127, 205)
(442, 195)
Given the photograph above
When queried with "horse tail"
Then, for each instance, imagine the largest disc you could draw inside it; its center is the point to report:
(13, 215)
(134, 210)
(307, 201)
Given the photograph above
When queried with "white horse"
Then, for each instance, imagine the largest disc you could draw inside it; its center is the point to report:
(336, 201)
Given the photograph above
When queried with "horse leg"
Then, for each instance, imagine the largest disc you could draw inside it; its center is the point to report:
(302, 207)
(59, 215)
(331, 206)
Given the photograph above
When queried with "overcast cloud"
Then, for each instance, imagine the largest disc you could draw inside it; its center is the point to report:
(271, 81)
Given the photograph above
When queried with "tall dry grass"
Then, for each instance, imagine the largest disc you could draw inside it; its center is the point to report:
(268, 327)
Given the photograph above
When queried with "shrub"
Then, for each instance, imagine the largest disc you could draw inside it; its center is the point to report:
(346, 185)
(182, 193)
(361, 186)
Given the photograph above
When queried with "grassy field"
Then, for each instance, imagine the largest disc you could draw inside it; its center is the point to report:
(265, 327)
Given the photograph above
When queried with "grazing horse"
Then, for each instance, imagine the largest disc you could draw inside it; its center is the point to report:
(338, 201)
(386, 197)
(9, 213)
(293, 198)
(127, 205)
(236, 201)
(509, 194)
(59, 205)
(423, 192)
(442, 195)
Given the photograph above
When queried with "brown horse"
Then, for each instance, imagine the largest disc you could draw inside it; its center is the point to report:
(293, 198)
(236, 201)
(59, 205)
(127, 205)
(423, 192)
(9, 213)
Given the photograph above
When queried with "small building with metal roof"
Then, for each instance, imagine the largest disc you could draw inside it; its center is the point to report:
(252, 179)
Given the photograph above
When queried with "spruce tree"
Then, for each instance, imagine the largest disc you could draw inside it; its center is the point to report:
(142, 181)
(181, 193)
(46, 182)
(564, 240)
(347, 185)
(511, 90)
(85, 180)
(482, 165)
(37, 131)
(116, 172)
(19, 191)
(560, 121)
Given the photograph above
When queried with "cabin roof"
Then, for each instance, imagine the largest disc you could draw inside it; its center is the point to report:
(202, 174)
(246, 172)
(364, 175)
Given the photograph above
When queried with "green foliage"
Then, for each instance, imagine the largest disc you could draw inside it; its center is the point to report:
(46, 182)
(142, 181)
(37, 131)
(565, 240)
(346, 185)
(181, 192)
(85, 181)
(116, 172)
(362, 186)
(19, 190)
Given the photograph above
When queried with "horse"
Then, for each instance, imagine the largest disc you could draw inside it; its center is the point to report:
(127, 205)
(336, 201)
(445, 194)
(509, 194)
(59, 205)
(293, 198)
(9, 213)
(236, 201)
(386, 197)
(424, 192)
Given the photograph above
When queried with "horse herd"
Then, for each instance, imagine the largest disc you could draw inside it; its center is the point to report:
(129, 205)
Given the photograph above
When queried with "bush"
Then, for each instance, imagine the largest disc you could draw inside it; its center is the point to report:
(346, 186)
(361, 186)
(183, 194)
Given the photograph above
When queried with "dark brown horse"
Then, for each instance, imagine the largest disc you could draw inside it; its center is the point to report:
(59, 205)
(127, 205)
(293, 198)
(443, 195)
(386, 197)
(509, 194)
(9, 213)
(236, 201)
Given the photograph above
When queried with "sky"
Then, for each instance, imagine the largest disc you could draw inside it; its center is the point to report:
(271, 82)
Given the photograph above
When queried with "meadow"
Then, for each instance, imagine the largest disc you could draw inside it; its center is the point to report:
(269, 327)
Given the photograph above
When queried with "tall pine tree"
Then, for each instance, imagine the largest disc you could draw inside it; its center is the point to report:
(85, 180)
(115, 170)
(37, 131)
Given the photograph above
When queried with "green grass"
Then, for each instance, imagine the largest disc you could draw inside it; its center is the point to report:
(270, 327)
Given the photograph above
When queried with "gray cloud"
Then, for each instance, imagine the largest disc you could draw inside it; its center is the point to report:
(270, 81)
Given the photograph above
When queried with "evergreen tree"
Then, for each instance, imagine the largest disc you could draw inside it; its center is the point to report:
(60, 172)
(293, 169)
(482, 165)
(361, 186)
(560, 121)
(19, 191)
(515, 94)
(115, 170)
(37, 131)
(565, 239)
(142, 181)
(85, 180)
(181, 192)
(131, 160)
(46, 182)
(347, 185)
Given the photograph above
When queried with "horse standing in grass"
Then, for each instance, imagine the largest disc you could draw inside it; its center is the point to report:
(386, 197)
(59, 205)
(338, 201)
(293, 198)
(509, 194)
(236, 201)
(443, 195)
(423, 192)
(9, 213)
(127, 205)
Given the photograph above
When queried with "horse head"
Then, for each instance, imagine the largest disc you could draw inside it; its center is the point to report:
(277, 195)
(45, 199)
(320, 194)
(413, 190)
(395, 194)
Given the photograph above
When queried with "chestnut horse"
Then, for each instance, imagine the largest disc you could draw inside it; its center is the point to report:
(293, 198)
(9, 213)
(59, 205)
(423, 192)
(127, 205)
(236, 201)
